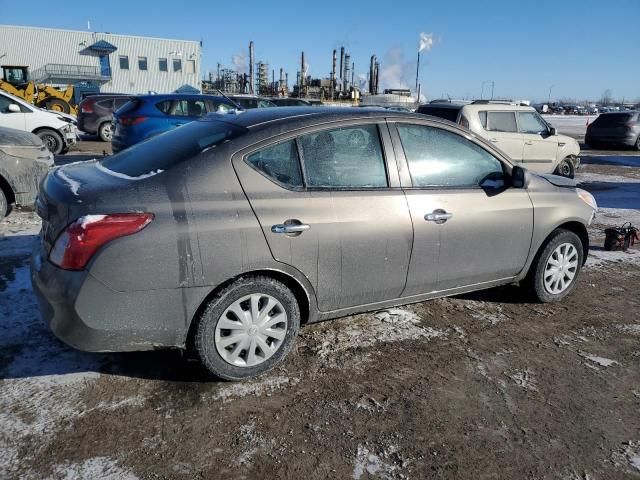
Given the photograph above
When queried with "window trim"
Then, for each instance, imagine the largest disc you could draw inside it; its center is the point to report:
(245, 159)
(173, 65)
(146, 63)
(120, 58)
(390, 158)
(166, 62)
(515, 114)
(406, 179)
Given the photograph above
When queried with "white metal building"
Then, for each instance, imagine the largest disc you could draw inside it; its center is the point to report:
(117, 63)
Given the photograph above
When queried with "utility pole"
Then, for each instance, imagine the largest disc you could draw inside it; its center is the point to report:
(492, 85)
(417, 72)
(549, 96)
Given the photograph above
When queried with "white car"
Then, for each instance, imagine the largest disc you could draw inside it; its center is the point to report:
(56, 132)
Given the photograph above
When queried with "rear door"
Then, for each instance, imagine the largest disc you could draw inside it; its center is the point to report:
(185, 111)
(330, 205)
(469, 226)
(502, 131)
(540, 148)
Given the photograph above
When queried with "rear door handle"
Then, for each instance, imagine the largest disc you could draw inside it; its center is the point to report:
(494, 140)
(290, 228)
(438, 216)
(528, 143)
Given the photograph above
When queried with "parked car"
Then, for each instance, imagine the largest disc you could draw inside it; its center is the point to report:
(289, 102)
(249, 101)
(146, 116)
(56, 132)
(95, 115)
(217, 236)
(519, 131)
(24, 161)
(620, 129)
(442, 108)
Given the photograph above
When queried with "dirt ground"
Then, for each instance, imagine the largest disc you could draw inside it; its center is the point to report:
(480, 386)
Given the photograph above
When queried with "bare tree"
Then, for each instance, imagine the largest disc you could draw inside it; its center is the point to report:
(607, 97)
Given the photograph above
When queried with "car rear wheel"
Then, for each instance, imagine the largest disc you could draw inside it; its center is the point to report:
(566, 168)
(554, 272)
(105, 131)
(247, 328)
(52, 140)
(637, 146)
(4, 205)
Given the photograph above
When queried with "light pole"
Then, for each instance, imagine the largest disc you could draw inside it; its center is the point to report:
(549, 97)
(482, 89)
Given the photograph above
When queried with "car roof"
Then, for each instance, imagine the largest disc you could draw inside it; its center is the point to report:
(176, 96)
(499, 106)
(453, 106)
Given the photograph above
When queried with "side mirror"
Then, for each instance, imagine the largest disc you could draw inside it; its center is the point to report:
(553, 131)
(13, 108)
(518, 177)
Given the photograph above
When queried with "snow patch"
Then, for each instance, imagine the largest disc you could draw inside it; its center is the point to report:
(631, 329)
(104, 169)
(73, 184)
(524, 379)
(599, 258)
(486, 312)
(603, 362)
(103, 468)
(379, 465)
(255, 388)
(628, 456)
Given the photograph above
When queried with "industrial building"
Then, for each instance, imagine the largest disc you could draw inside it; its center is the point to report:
(115, 63)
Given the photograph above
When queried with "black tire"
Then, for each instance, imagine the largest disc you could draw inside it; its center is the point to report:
(566, 168)
(105, 131)
(52, 140)
(204, 337)
(4, 205)
(56, 105)
(637, 145)
(535, 278)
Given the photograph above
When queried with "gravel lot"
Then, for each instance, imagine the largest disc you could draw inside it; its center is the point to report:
(485, 385)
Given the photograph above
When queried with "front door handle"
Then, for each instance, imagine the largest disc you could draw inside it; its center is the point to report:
(293, 227)
(494, 140)
(438, 216)
(528, 143)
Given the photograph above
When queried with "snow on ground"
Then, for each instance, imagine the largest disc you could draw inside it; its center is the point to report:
(102, 468)
(573, 125)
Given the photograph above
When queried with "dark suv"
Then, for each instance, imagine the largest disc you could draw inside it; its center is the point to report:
(446, 109)
(615, 129)
(96, 113)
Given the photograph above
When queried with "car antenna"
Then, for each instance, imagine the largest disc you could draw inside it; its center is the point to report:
(238, 107)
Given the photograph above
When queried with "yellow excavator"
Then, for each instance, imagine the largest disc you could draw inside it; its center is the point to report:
(40, 94)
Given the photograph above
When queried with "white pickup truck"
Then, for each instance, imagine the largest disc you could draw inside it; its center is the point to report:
(57, 133)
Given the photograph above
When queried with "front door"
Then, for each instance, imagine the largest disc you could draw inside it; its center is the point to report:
(11, 119)
(105, 67)
(463, 211)
(540, 148)
(338, 220)
(502, 130)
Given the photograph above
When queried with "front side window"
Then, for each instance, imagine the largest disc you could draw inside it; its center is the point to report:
(279, 163)
(124, 62)
(530, 122)
(439, 158)
(501, 122)
(142, 63)
(344, 157)
(177, 65)
(162, 65)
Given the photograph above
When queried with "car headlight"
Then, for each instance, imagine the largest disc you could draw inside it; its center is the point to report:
(587, 198)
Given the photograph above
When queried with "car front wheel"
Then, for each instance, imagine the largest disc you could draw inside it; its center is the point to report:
(247, 328)
(52, 140)
(566, 168)
(555, 270)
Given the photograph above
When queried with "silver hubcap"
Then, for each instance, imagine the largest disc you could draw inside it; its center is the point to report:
(561, 268)
(107, 131)
(251, 330)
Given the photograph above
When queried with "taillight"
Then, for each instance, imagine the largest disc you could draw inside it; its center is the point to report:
(81, 240)
(130, 121)
(86, 106)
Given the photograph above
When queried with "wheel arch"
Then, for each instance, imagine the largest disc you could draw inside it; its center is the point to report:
(302, 293)
(9, 194)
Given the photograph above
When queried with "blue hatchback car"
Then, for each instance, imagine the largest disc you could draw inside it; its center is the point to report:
(145, 116)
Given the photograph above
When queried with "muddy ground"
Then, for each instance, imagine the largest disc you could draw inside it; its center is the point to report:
(485, 385)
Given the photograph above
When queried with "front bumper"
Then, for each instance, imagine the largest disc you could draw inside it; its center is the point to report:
(87, 315)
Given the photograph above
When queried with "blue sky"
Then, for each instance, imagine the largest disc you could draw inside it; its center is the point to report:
(581, 47)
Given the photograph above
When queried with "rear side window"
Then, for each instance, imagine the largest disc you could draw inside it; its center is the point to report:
(501, 122)
(279, 163)
(439, 158)
(172, 147)
(119, 102)
(188, 108)
(348, 157)
(164, 106)
(612, 119)
(106, 103)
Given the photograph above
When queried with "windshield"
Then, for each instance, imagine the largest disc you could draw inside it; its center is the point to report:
(172, 147)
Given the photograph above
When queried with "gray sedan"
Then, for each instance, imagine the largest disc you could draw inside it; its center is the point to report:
(24, 161)
(229, 233)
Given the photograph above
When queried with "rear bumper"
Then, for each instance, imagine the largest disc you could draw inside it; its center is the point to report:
(87, 315)
(628, 140)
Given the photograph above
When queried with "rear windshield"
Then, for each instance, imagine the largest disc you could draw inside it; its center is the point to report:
(129, 106)
(172, 147)
(446, 113)
(612, 119)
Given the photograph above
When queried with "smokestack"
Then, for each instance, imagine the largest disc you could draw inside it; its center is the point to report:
(301, 75)
(375, 92)
(251, 68)
(333, 72)
(372, 74)
(341, 67)
(281, 81)
(345, 77)
(353, 72)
